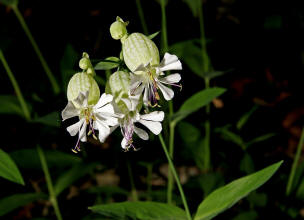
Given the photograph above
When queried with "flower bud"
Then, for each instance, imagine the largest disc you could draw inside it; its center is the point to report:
(82, 82)
(139, 49)
(118, 29)
(86, 65)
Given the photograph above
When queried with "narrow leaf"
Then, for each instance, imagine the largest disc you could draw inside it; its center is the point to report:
(52, 119)
(243, 120)
(10, 203)
(108, 63)
(260, 139)
(226, 196)
(197, 101)
(140, 211)
(70, 176)
(151, 36)
(8, 169)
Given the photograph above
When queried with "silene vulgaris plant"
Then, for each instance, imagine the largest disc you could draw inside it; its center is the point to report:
(131, 97)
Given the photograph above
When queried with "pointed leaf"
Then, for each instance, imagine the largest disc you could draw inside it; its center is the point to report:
(243, 120)
(53, 119)
(8, 169)
(140, 211)
(108, 63)
(151, 36)
(10, 203)
(226, 196)
(197, 101)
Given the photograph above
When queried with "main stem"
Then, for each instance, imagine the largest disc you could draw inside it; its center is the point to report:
(17, 89)
(171, 125)
(172, 168)
(141, 17)
(295, 163)
(205, 61)
(44, 64)
(53, 198)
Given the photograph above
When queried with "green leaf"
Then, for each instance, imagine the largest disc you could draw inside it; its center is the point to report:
(190, 53)
(108, 63)
(230, 136)
(193, 5)
(226, 196)
(197, 101)
(10, 203)
(260, 139)
(9, 2)
(10, 105)
(67, 64)
(53, 119)
(28, 158)
(70, 176)
(243, 120)
(151, 36)
(8, 169)
(140, 210)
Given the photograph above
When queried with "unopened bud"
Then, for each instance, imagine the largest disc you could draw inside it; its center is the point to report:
(118, 29)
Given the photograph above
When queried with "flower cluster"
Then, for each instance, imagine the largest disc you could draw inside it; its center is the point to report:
(128, 91)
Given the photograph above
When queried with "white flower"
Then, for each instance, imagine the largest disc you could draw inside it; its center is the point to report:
(127, 125)
(96, 117)
(150, 80)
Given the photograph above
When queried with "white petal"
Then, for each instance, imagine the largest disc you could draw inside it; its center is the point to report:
(146, 95)
(153, 126)
(104, 99)
(109, 120)
(154, 116)
(83, 132)
(103, 130)
(141, 133)
(172, 78)
(82, 99)
(108, 108)
(69, 111)
(124, 143)
(170, 62)
(167, 92)
(75, 128)
(141, 67)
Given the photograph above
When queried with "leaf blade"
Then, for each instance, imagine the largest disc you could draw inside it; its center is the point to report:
(226, 196)
(8, 169)
(140, 210)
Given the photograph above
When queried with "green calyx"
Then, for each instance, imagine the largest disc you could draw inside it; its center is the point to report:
(86, 65)
(118, 29)
(138, 50)
(82, 82)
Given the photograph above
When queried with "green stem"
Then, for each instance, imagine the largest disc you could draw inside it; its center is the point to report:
(205, 61)
(133, 188)
(44, 64)
(14, 82)
(171, 165)
(164, 26)
(53, 198)
(171, 153)
(295, 163)
(142, 17)
(207, 161)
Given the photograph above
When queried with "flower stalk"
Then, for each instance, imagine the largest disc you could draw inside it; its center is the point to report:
(53, 198)
(43, 62)
(172, 168)
(16, 87)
